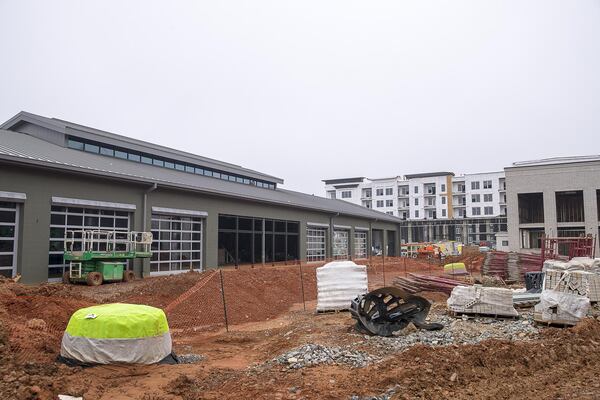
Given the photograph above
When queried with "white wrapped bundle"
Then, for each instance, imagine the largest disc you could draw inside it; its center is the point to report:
(338, 283)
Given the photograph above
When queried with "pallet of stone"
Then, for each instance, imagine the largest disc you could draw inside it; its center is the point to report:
(583, 283)
(481, 300)
(555, 321)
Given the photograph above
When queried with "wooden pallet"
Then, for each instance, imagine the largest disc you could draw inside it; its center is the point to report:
(460, 314)
(332, 311)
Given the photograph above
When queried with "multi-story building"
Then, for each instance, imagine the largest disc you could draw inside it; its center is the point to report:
(556, 196)
(435, 206)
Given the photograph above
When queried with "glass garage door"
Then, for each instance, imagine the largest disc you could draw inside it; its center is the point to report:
(316, 243)
(9, 222)
(340, 245)
(176, 244)
(78, 218)
(360, 244)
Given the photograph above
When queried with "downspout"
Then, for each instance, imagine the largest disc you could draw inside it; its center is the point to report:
(144, 224)
(145, 205)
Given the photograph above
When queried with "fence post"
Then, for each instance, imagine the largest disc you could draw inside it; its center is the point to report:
(224, 304)
(302, 286)
(383, 270)
(404, 266)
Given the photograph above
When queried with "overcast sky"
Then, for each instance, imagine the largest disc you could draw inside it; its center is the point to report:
(308, 90)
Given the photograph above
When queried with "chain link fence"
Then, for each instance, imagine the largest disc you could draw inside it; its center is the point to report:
(230, 297)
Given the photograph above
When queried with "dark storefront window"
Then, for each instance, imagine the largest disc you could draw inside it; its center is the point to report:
(244, 240)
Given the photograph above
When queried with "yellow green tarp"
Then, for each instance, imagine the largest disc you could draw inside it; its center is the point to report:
(118, 321)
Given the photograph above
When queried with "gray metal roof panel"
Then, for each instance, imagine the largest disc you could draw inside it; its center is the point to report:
(17, 147)
(89, 133)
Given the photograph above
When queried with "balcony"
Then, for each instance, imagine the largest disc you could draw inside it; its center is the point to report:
(429, 206)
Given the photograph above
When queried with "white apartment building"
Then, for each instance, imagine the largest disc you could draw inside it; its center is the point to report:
(438, 205)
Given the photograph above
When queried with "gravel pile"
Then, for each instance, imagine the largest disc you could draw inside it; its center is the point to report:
(456, 331)
(190, 358)
(314, 354)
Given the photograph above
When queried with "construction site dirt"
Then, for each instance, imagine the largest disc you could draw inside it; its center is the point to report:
(277, 347)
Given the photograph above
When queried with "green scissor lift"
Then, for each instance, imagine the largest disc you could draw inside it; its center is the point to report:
(101, 256)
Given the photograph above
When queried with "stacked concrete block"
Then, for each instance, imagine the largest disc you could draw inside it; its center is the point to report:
(482, 300)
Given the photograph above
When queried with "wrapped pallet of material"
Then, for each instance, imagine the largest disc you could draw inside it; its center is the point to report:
(338, 283)
(477, 299)
(577, 282)
(561, 307)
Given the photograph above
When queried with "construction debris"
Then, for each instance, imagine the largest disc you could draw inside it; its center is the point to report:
(338, 283)
(415, 283)
(482, 301)
(387, 310)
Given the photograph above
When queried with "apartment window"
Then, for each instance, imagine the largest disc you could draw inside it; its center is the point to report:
(379, 203)
(475, 198)
(488, 210)
(431, 201)
(416, 189)
(316, 243)
(389, 203)
(443, 200)
(488, 197)
(78, 219)
(569, 206)
(416, 202)
(443, 212)
(505, 243)
(403, 190)
(378, 192)
(389, 212)
(389, 191)
(340, 244)
(443, 187)
(176, 244)
(461, 188)
(531, 208)
(476, 211)
(416, 213)
(360, 244)
(331, 194)
(487, 184)
(346, 194)
(475, 185)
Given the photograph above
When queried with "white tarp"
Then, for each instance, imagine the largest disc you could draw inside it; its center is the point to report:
(148, 350)
(338, 283)
(562, 307)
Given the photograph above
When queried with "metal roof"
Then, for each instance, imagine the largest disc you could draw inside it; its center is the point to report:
(21, 148)
(556, 160)
(86, 132)
(428, 175)
(343, 180)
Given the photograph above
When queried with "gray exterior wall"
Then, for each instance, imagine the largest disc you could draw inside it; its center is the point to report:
(549, 179)
(41, 185)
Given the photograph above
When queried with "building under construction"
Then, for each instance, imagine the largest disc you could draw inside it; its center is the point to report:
(558, 197)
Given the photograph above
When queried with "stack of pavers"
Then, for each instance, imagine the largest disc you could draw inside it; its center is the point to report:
(415, 283)
(479, 300)
(569, 287)
(578, 276)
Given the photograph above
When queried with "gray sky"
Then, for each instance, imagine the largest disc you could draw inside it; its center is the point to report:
(307, 90)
